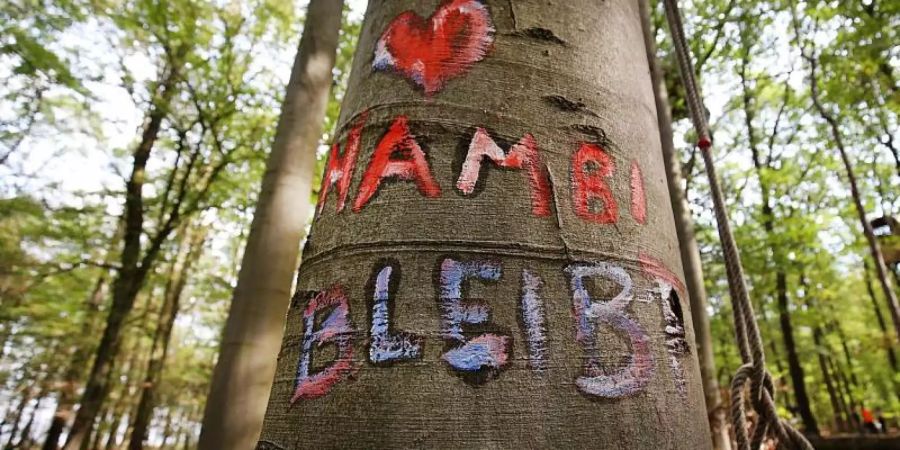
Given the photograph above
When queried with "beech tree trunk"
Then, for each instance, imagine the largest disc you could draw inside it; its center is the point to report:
(494, 262)
(130, 274)
(836, 403)
(689, 250)
(188, 251)
(888, 343)
(253, 330)
(67, 394)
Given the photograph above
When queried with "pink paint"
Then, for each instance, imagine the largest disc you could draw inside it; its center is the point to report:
(654, 268)
(431, 51)
(522, 155)
(397, 155)
(638, 197)
(339, 168)
(336, 328)
(591, 167)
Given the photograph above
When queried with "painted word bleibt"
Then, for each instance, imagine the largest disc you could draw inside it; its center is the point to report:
(481, 357)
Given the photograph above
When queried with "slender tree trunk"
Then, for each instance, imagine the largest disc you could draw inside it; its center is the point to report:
(167, 429)
(690, 253)
(130, 274)
(27, 395)
(67, 393)
(887, 343)
(881, 269)
(454, 304)
(836, 406)
(254, 327)
(25, 435)
(845, 393)
(188, 251)
(795, 369)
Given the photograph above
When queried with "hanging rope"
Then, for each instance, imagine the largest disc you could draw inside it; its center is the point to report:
(753, 370)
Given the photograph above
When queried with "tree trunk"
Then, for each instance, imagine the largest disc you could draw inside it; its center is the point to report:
(130, 274)
(188, 252)
(27, 394)
(66, 401)
(253, 330)
(535, 311)
(794, 367)
(887, 343)
(690, 253)
(829, 384)
(25, 436)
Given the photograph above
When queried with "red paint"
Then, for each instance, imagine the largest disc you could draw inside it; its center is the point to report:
(523, 155)
(336, 328)
(638, 197)
(431, 51)
(589, 184)
(339, 168)
(704, 142)
(396, 155)
(654, 268)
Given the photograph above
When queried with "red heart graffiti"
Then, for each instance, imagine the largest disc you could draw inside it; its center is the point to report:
(431, 51)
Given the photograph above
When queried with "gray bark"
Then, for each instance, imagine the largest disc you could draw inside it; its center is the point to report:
(253, 330)
(569, 74)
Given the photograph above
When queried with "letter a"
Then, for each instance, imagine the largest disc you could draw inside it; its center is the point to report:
(409, 164)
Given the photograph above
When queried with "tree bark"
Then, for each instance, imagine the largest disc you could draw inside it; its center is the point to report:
(130, 274)
(836, 406)
(690, 252)
(535, 310)
(794, 367)
(254, 327)
(188, 251)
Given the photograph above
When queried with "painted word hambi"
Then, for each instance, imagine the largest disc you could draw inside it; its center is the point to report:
(398, 156)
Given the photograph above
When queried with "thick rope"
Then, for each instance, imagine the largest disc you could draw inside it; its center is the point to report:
(753, 371)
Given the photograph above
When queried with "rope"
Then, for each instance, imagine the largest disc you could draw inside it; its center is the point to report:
(753, 370)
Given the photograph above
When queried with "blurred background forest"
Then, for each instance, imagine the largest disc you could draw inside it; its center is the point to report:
(83, 81)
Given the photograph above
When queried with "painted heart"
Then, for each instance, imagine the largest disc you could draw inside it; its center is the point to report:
(431, 51)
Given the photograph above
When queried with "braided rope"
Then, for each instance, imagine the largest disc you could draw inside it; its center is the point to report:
(753, 371)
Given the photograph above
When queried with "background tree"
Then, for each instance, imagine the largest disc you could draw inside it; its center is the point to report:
(246, 364)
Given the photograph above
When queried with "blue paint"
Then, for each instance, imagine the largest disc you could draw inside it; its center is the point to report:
(455, 313)
(632, 378)
(483, 351)
(384, 347)
(533, 316)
